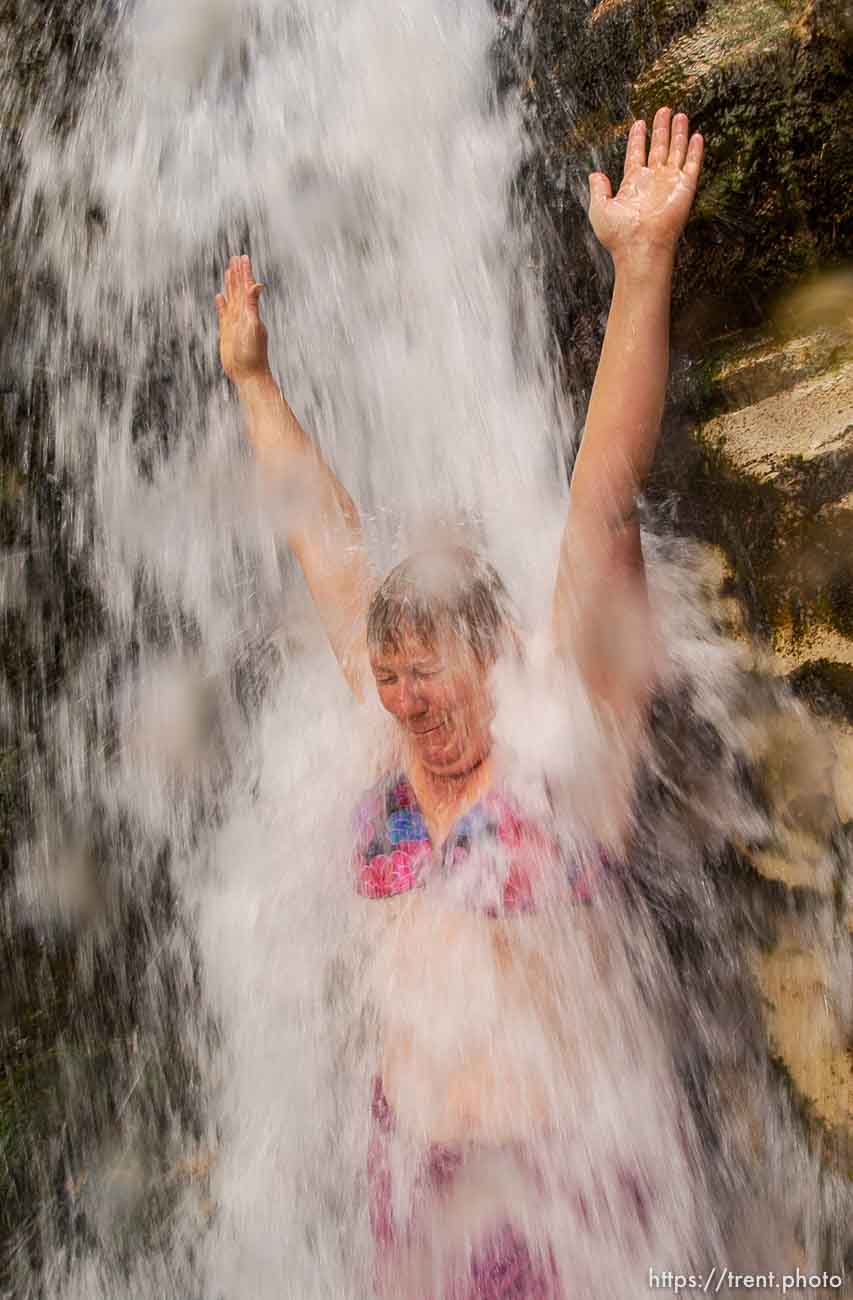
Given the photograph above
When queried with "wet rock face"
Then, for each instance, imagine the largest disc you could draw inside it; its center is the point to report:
(769, 85)
(66, 1038)
(776, 435)
(757, 457)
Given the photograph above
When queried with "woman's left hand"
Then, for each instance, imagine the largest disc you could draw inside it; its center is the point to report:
(650, 210)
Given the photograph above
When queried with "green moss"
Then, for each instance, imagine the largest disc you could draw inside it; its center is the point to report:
(12, 485)
(591, 130)
(691, 69)
(672, 17)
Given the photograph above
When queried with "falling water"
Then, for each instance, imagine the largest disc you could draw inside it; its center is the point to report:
(190, 825)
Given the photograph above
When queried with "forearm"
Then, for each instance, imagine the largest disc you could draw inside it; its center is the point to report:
(626, 405)
(289, 456)
(601, 609)
(275, 433)
(323, 524)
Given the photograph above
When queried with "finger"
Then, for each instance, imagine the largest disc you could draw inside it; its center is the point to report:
(659, 151)
(230, 279)
(219, 302)
(600, 188)
(693, 163)
(678, 140)
(635, 151)
(236, 274)
(246, 271)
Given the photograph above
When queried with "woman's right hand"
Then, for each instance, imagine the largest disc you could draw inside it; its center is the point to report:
(242, 334)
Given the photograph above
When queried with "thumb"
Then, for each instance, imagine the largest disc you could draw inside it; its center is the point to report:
(219, 302)
(599, 187)
(255, 293)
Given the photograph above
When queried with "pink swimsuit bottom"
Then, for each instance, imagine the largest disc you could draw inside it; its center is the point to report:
(499, 1265)
(393, 848)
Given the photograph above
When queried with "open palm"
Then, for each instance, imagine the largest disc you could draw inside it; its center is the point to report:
(242, 334)
(653, 203)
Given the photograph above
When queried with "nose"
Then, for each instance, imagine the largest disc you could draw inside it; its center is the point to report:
(410, 700)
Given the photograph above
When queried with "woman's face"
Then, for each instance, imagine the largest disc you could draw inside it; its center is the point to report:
(439, 695)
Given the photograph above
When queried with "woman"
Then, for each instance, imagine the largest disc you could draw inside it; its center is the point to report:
(429, 638)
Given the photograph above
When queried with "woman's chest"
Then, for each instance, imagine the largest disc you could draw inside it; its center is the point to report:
(489, 860)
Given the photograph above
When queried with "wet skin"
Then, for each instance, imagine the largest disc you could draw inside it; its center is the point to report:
(440, 698)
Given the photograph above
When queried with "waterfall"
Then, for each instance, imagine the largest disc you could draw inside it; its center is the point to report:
(183, 882)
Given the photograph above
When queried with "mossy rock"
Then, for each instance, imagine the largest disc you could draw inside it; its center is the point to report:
(776, 481)
(768, 85)
(732, 33)
(827, 686)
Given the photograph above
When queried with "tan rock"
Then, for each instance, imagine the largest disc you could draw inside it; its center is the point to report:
(803, 865)
(843, 503)
(714, 573)
(806, 1032)
(715, 568)
(762, 366)
(799, 764)
(818, 642)
(809, 420)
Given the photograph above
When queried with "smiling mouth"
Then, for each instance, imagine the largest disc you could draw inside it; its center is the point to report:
(428, 731)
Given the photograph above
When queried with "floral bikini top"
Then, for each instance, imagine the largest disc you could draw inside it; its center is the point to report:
(394, 853)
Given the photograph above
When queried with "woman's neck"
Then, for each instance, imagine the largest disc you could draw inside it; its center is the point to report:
(443, 795)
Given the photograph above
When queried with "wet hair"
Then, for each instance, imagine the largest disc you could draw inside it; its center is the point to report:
(444, 591)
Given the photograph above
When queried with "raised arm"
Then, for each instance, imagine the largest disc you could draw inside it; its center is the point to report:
(601, 613)
(324, 528)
